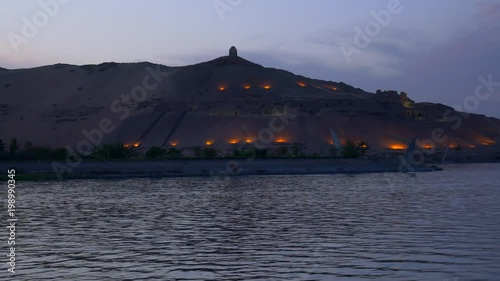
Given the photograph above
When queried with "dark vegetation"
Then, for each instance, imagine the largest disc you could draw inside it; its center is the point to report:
(353, 149)
(156, 152)
(13, 151)
(29, 152)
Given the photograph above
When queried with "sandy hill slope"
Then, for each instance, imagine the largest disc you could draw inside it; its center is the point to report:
(223, 102)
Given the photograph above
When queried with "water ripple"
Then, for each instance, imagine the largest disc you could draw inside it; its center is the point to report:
(436, 226)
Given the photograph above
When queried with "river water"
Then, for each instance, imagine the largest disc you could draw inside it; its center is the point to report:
(428, 226)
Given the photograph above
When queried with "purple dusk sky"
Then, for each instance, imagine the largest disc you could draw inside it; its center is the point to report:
(433, 50)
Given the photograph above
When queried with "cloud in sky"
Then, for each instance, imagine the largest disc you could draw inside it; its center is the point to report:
(489, 10)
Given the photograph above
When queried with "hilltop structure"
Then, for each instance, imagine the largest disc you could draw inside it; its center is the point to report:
(233, 52)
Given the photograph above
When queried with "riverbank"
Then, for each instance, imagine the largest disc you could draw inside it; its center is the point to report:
(196, 168)
(40, 171)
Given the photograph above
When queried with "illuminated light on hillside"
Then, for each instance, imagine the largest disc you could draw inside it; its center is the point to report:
(333, 88)
(209, 142)
(280, 140)
(267, 87)
(137, 144)
(301, 84)
(471, 146)
(247, 87)
(428, 146)
(222, 88)
(234, 141)
(250, 139)
(487, 142)
(127, 145)
(174, 144)
(397, 147)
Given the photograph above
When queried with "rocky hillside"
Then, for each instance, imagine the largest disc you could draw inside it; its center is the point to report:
(222, 103)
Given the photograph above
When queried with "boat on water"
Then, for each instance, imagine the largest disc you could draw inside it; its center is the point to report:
(412, 161)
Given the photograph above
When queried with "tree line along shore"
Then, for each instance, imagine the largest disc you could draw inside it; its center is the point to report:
(120, 151)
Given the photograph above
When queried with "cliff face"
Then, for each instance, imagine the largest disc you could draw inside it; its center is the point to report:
(224, 102)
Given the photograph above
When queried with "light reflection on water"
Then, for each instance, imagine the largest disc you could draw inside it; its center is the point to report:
(432, 226)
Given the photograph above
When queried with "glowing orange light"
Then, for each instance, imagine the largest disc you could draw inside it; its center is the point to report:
(331, 87)
(487, 142)
(331, 142)
(222, 88)
(471, 146)
(267, 87)
(234, 141)
(301, 84)
(127, 145)
(137, 144)
(173, 144)
(209, 142)
(364, 146)
(249, 140)
(280, 140)
(247, 87)
(428, 146)
(397, 147)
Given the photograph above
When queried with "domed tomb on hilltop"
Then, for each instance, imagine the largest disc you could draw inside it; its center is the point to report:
(233, 52)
